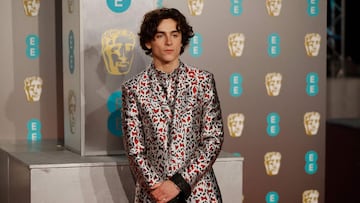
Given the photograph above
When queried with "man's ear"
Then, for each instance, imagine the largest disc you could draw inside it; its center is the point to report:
(148, 45)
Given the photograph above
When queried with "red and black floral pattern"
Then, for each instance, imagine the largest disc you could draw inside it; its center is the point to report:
(172, 123)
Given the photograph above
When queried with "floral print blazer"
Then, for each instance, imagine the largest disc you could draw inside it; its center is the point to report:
(171, 130)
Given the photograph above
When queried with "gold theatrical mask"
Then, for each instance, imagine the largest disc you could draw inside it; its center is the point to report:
(310, 196)
(31, 7)
(272, 161)
(72, 111)
(118, 51)
(236, 43)
(195, 7)
(273, 7)
(273, 83)
(70, 4)
(312, 44)
(235, 123)
(33, 88)
(311, 123)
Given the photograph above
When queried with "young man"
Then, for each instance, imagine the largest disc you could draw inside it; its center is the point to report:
(172, 122)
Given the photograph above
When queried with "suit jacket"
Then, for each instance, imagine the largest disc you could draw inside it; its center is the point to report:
(173, 132)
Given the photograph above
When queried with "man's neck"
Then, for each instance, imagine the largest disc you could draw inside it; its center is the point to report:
(167, 67)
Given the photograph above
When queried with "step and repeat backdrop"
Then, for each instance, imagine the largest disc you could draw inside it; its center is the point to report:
(29, 101)
(268, 58)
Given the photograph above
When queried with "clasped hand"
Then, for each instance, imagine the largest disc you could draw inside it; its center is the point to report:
(164, 191)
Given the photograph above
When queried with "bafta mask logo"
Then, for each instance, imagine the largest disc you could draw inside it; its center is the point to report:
(33, 88)
(72, 111)
(70, 4)
(118, 51)
(31, 7)
(195, 7)
(272, 161)
(312, 44)
(236, 124)
(310, 196)
(273, 7)
(273, 83)
(236, 43)
(311, 123)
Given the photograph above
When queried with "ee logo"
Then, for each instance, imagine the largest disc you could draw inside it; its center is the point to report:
(114, 105)
(273, 128)
(273, 45)
(312, 87)
(118, 6)
(71, 43)
(32, 46)
(34, 130)
(236, 88)
(272, 197)
(313, 7)
(196, 45)
(311, 166)
(236, 8)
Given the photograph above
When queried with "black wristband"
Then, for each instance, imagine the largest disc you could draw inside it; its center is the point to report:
(178, 199)
(182, 184)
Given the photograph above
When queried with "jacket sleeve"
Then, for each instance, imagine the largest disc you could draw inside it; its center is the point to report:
(134, 140)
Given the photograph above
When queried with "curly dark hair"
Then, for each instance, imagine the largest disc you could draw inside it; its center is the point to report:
(152, 20)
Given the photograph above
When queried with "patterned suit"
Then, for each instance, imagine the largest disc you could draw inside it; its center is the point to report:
(172, 124)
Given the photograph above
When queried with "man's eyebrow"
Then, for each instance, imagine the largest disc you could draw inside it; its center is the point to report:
(162, 32)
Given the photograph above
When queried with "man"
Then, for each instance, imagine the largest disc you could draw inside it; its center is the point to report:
(172, 122)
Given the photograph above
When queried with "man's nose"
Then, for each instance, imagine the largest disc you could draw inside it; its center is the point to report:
(169, 40)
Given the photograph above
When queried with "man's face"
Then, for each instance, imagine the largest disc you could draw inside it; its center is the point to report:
(118, 51)
(166, 45)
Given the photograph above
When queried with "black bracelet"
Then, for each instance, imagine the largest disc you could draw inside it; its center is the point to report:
(182, 184)
(178, 199)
